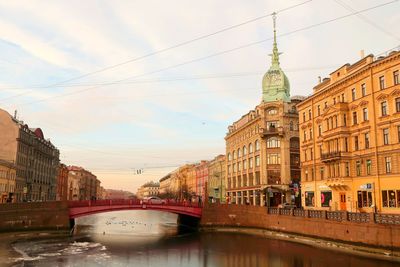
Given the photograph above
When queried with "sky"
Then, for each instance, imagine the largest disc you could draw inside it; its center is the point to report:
(122, 85)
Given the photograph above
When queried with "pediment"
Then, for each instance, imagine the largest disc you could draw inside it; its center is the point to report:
(395, 92)
(328, 110)
(319, 120)
(363, 103)
(382, 96)
(353, 107)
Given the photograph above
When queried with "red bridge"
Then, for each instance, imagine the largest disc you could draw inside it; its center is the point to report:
(87, 207)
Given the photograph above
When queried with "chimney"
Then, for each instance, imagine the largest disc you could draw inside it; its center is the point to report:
(362, 54)
(15, 114)
(319, 79)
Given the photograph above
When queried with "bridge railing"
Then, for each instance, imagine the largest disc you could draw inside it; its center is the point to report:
(117, 202)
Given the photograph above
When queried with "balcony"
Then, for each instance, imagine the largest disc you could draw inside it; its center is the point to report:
(272, 131)
(331, 156)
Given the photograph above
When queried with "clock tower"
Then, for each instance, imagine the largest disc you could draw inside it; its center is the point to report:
(275, 84)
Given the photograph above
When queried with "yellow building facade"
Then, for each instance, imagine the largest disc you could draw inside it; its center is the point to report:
(350, 138)
(7, 181)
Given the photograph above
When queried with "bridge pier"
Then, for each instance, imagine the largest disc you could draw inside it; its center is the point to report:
(187, 223)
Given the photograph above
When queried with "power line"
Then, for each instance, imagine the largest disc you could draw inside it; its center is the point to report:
(370, 22)
(175, 46)
(219, 53)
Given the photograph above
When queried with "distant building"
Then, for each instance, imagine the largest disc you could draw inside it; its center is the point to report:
(82, 184)
(7, 181)
(201, 179)
(119, 194)
(350, 138)
(165, 185)
(148, 189)
(216, 179)
(36, 159)
(62, 183)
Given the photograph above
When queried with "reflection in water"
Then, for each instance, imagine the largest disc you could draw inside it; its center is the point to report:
(110, 240)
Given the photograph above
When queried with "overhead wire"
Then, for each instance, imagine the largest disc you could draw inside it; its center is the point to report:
(174, 46)
(217, 53)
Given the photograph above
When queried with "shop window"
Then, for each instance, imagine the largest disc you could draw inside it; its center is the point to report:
(309, 199)
(326, 198)
(364, 199)
(391, 198)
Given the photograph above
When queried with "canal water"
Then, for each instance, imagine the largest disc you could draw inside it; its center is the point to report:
(150, 238)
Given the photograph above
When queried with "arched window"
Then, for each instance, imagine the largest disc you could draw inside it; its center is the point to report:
(234, 154)
(239, 154)
(273, 142)
(250, 148)
(257, 144)
(229, 156)
(272, 111)
(244, 150)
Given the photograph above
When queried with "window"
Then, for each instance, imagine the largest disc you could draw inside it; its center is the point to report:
(304, 116)
(398, 133)
(229, 157)
(347, 169)
(326, 198)
(388, 164)
(304, 136)
(342, 97)
(321, 171)
(346, 145)
(244, 164)
(311, 135)
(273, 142)
(384, 108)
(311, 154)
(239, 154)
(257, 161)
(229, 169)
(344, 120)
(369, 166)
(398, 104)
(272, 111)
(273, 159)
(250, 163)
(396, 77)
(309, 198)
(291, 126)
(257, 144)
(244, 150)
(234, 154)
(239, 165)
(309, 114)
(353, 94)
(318, 110)
(363, 89)
(319, 130)
(355, 143)
(365, 114)
(234, 167)
(250, 148)
(366, 139)
(354, 117)
(305, 155)
(364, 199)
(386, 136)
(382, 82)
(358, 168)
(391, 198)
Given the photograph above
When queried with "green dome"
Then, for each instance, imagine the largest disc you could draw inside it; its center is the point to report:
(275, 83)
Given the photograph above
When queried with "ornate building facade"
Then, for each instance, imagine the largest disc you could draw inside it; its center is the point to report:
(350, 138)
(262, 147)
(216, 179)
(35, 159)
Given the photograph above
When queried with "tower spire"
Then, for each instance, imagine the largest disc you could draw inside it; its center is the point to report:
(275, 53)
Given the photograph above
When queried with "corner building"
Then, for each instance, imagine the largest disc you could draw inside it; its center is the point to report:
(350, 138)
(262, 147)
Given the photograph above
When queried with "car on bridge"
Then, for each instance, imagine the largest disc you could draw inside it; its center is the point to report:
(153, 200)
